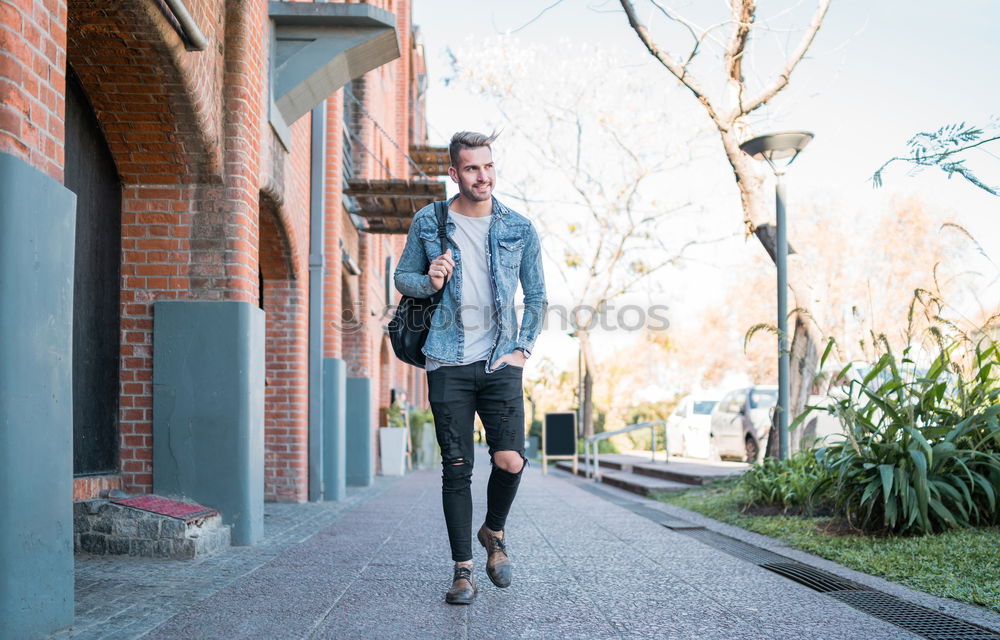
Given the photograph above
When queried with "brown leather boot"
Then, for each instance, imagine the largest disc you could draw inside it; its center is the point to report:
(498, 564)
(463, 587)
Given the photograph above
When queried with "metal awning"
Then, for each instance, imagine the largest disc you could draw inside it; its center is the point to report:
(434, 161)
(387, 206)
(318, 47)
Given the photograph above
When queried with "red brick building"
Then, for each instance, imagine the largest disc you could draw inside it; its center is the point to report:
(201, 202)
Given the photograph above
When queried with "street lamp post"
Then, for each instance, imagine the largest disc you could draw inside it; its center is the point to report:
(579, 382)
(770, 148)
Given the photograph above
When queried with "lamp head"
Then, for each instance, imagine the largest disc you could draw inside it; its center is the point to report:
(777, 146)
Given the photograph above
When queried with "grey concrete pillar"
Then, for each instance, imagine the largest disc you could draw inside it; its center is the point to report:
(208, 409)
(360, 448)
(334, 428)
(37, 246)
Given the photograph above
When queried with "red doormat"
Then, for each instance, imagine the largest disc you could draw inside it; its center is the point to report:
(163, 506)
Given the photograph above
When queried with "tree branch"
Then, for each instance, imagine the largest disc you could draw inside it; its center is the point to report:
(679, 71)
(743, 14)
(692, 28)
(782, 80)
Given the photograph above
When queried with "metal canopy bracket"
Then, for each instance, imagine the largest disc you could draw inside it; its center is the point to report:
(318, 47)
(433, 161)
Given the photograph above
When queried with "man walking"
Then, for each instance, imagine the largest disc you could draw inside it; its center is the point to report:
(475, 350)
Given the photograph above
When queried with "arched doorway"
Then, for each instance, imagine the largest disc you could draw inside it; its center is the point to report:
(283, 299)
(384, 380)
(91, 174)
(352, 327)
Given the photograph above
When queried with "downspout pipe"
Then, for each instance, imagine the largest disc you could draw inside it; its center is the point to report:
(192, 34)
(317, 206)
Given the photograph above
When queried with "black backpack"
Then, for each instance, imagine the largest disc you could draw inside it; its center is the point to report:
(409, 326)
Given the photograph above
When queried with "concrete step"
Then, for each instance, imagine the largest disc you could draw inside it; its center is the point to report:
(611, 462)
(689, 473)
(642, 485)
(567, 466)
(683, 470)
(102, 527)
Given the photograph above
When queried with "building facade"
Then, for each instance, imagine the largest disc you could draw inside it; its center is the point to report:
(201, 202)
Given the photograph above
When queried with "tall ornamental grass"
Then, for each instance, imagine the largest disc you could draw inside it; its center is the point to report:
(921, 447)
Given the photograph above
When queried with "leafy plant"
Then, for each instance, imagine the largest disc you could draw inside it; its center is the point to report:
(943, 149)
(394, 415)
(921, 448)
(793, 484)
(421, 420)
(419, 417)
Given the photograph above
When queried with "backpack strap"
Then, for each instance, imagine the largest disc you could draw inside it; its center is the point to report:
(441, 209)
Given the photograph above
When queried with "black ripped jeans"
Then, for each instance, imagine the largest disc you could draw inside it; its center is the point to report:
(456, 395)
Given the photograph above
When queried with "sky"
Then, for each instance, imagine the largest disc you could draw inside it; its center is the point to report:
(877, 73)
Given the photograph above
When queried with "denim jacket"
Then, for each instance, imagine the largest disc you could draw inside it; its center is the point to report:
(513, 254)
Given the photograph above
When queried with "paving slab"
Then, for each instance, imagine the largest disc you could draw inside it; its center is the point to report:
(585, 567)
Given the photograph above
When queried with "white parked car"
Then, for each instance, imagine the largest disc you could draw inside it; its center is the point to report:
(741, 421)
(818, 428)
(688, 426)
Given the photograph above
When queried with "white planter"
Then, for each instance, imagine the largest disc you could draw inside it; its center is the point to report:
(426, 450)
(392, 448)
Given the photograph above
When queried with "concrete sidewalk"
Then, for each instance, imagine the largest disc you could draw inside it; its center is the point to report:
(584, 568)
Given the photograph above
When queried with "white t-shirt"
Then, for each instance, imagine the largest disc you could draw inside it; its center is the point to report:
(478, 308)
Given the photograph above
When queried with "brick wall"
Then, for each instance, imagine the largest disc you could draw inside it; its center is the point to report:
(285, 304)
(188, 134)
(155, 247)
(33, 82)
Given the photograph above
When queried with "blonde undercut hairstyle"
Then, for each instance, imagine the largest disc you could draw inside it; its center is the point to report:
(468, 140)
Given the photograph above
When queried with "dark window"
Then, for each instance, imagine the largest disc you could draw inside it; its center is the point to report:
(91, 174)
(763, 398)
(704, 407)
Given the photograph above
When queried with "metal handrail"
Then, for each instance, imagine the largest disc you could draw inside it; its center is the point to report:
(594, 471)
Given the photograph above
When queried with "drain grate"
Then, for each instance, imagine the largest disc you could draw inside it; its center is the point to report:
(662, 518)
(734, 547)
(928, 623)
(676, 524)
(813, 578)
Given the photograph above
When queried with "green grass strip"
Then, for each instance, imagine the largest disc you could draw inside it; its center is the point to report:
(962, 564)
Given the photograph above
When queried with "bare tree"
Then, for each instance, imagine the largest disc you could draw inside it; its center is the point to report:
(867, 272)
(730, 115)
(549, 388)
(598, 179)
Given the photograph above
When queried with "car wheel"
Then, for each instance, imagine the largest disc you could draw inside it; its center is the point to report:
(752, 449)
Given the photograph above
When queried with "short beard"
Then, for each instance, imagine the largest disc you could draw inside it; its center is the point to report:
(469, 194)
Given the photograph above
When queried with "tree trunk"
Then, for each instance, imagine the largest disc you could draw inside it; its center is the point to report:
(803, 360)
(588, 382)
